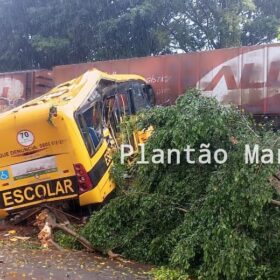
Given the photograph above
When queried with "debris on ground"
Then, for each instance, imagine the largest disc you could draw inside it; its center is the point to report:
(25, 259)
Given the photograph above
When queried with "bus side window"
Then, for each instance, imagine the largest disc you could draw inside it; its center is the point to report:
(85, 134)
(93, 121)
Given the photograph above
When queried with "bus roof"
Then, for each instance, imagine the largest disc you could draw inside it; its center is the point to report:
(73, 92)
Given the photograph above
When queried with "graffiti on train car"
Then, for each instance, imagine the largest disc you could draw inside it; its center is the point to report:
(247, 77)
(11, 93)
(250, 80)
(18, 87)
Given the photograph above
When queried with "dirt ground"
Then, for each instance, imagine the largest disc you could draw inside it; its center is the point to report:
(24, 259)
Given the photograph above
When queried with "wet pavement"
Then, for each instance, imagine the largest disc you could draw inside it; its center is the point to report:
(24, 259)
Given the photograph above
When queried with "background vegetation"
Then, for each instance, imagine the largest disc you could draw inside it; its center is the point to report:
(41, 34)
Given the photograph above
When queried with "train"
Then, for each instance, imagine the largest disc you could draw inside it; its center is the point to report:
(247, 77)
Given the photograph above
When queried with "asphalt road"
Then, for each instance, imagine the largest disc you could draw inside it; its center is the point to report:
(26, 260)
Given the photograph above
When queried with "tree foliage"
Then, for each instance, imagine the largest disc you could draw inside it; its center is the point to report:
(212, 221)
(41, 34)
(215, 24)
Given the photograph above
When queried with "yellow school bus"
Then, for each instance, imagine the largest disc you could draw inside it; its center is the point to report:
(53, 149)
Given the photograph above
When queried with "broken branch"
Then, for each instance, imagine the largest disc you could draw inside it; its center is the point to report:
(275, 202)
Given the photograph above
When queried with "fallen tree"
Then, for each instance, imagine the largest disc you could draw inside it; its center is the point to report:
(215, 221)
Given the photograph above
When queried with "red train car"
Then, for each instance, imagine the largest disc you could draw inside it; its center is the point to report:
(248, 77)
(19, 87)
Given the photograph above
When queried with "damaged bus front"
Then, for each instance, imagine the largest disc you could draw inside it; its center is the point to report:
(53, 149)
